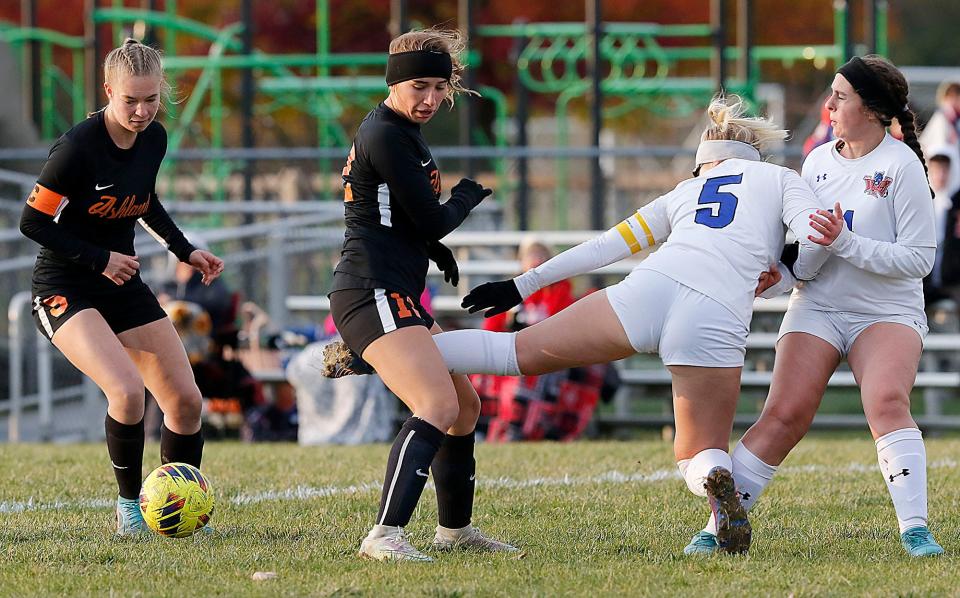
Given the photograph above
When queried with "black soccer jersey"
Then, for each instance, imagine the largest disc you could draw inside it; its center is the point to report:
(88, 198)
(392, 206)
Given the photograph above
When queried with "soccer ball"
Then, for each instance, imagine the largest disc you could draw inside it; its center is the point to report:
(176, 500)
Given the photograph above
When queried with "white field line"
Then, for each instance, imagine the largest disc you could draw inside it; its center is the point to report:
(301, 493)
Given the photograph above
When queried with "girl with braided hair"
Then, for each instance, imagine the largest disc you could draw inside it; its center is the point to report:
(88, 298)
(866, 304)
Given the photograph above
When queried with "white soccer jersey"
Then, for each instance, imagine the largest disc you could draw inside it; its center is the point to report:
(722, 229)
(886, 201)
(725, 227)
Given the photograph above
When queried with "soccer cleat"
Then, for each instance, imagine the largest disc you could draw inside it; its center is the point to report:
(733, 528)
(918, 541)
(339, 361)
(129, 519)
(468, 537)
(702, 543)
(392, 546)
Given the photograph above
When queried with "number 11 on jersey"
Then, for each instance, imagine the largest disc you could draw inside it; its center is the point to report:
(727, 202)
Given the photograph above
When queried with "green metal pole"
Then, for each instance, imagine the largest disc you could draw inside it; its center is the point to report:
(170, 48)
(881, 21)
(323, 71)
(46, 86)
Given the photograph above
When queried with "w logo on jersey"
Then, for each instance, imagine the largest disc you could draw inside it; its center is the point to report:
(877, 185)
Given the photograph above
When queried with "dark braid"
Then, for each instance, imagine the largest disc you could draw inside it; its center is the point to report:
(898, 89)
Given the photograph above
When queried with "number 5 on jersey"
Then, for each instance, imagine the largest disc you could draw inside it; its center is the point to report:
(721, 214)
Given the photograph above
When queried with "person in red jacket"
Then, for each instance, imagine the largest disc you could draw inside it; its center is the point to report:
(538, 306)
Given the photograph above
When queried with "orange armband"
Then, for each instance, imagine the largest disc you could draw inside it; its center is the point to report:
(45, 200)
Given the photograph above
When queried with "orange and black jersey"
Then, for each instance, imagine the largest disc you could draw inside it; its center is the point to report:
(392, 206)
(88, 198)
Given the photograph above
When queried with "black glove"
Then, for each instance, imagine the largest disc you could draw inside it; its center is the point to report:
(790, 254)
(500, 296)
(443, 258)
(471, 191)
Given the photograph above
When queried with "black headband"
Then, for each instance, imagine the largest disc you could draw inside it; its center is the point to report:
(404, 66)
(869, 87)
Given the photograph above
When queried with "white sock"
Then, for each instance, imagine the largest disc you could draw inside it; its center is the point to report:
(695, 470)
(449, 533)
(479, 352)
(751, 475)
(903, 462)
(379, 531)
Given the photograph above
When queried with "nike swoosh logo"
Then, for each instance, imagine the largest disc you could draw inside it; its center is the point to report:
(99, 188)
(115, 466)
(473, 477)
(420, 473)
(424, 163)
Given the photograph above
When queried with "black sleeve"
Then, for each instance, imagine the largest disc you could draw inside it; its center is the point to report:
(395, 157)
(62, 174)
(159, 224)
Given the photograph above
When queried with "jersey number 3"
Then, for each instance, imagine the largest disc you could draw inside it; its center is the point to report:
(726, 202)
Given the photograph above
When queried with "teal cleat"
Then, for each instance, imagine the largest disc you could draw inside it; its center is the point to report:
(733, 528)
(919, 542)
(130, 521)
(702, 543)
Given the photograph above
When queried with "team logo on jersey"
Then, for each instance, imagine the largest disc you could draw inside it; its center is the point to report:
(877, 185)
(107, 207)
(57, 304)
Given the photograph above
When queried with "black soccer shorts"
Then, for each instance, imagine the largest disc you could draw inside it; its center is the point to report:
(126, 307)
(364, 315)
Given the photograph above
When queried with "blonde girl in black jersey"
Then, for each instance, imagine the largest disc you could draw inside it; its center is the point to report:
(89, 299)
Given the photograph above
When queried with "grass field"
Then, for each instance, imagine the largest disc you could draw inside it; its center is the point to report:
(593, 518)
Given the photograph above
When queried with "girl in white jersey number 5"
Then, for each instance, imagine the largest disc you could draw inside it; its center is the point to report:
(691, 301)
(866, 304)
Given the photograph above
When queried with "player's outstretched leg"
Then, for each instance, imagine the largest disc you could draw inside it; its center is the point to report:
(733, 527)
(339, 360)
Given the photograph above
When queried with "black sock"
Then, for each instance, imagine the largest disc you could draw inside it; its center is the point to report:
(125, 446)
(454, 470)
(181, 448)
(407, 469)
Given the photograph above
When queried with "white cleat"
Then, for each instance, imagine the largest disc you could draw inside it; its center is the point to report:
(391, 546)
(469, 538)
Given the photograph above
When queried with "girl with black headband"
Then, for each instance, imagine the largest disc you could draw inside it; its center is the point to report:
(866, 304)
(394, 222)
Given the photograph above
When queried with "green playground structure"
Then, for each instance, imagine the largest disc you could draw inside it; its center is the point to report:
(644, 66)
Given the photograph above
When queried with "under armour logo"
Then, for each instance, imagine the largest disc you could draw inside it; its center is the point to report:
(903, 472)
(821, 177)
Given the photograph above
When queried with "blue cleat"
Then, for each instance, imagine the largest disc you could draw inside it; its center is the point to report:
(129, 518)
(918, 542)
(733, 528)
(702, 543)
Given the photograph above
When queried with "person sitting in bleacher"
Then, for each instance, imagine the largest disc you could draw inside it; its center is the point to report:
(552, 406)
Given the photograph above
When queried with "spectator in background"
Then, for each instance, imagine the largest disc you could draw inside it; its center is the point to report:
(941, 130)
(216, 299)
(542, 304)
(821, 134)
(944, 173)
